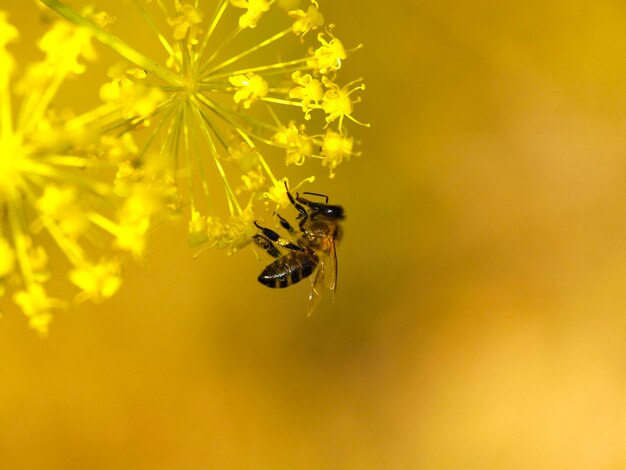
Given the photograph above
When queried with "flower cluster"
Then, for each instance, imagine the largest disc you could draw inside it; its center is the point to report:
(54, 194)
(198, 128)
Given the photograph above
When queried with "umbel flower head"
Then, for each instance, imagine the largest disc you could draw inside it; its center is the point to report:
(52, 192)
(233, 97)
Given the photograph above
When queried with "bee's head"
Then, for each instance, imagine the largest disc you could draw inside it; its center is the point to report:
(331, 212)
(322, 209)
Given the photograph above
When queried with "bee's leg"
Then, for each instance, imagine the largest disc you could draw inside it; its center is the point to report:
(300, 208)
(267, 245)
(269, 233)
(303, 221)
(286, 225)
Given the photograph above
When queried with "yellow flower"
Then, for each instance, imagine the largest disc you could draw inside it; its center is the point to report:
(337, 102)
(307, 21)
(97, 281)
(329, 55)
(197, 229)
(37, 306)
(64, 45)
(278, 195)
(217, 87)
(231, 235)
(250, 88)
(335, 149)
(59, 206)
(237, 233)
(309, 91)
(186, 22)
(255, 9)
(299, 146)
(121, 85)
(51, 186)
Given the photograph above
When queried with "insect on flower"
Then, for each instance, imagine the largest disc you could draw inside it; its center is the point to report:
(313, 251)
(219, 105)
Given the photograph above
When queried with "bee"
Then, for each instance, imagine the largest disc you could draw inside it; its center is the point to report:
(312, 254)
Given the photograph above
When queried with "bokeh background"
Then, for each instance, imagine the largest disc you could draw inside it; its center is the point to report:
(480, 320)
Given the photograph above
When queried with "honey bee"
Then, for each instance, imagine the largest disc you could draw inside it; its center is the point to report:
(313, 252)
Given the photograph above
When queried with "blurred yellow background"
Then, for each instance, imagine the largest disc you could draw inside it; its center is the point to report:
(480, 320)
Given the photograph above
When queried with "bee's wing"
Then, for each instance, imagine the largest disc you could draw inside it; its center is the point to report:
(326, 274)
(331, 266)
(317, 283)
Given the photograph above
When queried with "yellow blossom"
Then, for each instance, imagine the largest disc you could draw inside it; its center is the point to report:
(335, 148)
(197, 229)
(233, 234)
(64, 45)
(61, 207)
(337, 102)
(278, 195)
(250, 88)
(97, 281)
(238, 231)
(247, 159)
(255, 9)
(117, 148)
(215, 86)
(309, 91)
(253, 180)
(299, 146)
(121, 83)
(37, 306)
(186, 22)
(51, 182)
(245, 156)
(215, 232)
(329, 55)
(101, 18)
(306, 21)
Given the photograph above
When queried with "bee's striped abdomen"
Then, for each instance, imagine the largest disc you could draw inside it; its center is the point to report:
(289, 269)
